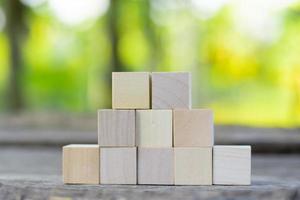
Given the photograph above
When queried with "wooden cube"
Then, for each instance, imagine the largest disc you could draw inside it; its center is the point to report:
(118, 165)
(154, 128)
(130, 90)
(116, 128)
(193, 166)
(171, 90)
(193, 128)
(156, 166)
(81, 164)
(232, 165)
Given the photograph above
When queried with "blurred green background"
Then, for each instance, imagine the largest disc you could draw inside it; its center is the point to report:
(58, 55)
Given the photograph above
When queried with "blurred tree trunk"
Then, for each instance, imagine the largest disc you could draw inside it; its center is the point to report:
(115, 60)
(116, 64)
(15, 29)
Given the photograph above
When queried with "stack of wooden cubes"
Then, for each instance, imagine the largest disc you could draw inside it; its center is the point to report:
(153, 136)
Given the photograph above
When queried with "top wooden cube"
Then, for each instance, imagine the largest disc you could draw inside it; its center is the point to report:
(130, 90)
(171, 90)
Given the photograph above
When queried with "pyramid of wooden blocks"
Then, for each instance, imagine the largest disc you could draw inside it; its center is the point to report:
(153, 136)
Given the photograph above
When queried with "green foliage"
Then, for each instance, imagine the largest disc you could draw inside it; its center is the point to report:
(245, 80)
(4, 66)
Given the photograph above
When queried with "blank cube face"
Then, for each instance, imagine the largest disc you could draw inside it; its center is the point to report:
(232, 165)
(81, 164)
(131, 90)
(193, 128)
(193, 166)
(154, 128)
(116, 128)
(118, 165)
(156, 166)
(171, 90)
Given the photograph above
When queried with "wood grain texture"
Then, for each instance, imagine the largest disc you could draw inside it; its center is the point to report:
(130, 90)
(81, 164)
(154, 128)
(171, 90)
(118, 165)
(116, 128)
(232, 165)
(193, 166)
(193, 128)
(156, 166)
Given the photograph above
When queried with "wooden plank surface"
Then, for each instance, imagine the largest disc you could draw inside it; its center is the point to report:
(81, 164)
(154, 128)
(130, 90)
(116, 128)
(156, 166)
(171, 90)
(231, 165)
(193, 128)
(118, 165)
(193, 166)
